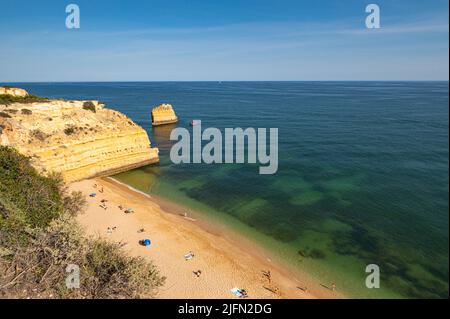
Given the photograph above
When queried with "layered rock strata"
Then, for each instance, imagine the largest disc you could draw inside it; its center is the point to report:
(79, 139)
(163, 114)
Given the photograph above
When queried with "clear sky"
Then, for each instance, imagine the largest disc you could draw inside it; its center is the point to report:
(223, 40)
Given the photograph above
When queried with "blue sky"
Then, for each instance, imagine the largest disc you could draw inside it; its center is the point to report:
(223, 40)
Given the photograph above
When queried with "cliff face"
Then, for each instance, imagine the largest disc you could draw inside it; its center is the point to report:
(80, 139)
(13, 91)
(163, 114)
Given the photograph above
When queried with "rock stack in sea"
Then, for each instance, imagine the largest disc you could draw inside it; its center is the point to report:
(79, 139)
(163, 114)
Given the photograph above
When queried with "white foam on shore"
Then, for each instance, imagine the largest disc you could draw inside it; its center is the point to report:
(129, 187)
(144, 194)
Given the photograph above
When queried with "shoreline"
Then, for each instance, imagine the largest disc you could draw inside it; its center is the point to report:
(226, 259)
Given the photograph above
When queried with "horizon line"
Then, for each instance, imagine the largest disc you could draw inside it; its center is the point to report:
(217, 81)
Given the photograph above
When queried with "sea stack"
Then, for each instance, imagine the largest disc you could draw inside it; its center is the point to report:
(79, 139)
(163, 114)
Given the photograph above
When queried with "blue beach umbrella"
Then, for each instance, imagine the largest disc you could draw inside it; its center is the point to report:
(146, 242)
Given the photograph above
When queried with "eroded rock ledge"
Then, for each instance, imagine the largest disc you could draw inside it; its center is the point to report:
(163, 114)
(80, 139)
(13, 91)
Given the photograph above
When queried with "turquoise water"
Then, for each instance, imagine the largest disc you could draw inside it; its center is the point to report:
(362, 179)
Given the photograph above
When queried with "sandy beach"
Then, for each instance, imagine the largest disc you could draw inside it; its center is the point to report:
(224, 263)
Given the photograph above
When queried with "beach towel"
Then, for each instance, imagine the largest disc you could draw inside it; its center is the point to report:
(92, 194)
(237, 292)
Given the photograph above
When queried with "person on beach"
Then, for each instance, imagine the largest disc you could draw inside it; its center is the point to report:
(333, 286)
(197, 273)
(268, 275)
(189, 255)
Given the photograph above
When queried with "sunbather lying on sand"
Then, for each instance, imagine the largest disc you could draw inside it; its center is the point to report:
(189, 255)
(241, 293)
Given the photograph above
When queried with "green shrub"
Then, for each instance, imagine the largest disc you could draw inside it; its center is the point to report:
(5, 115)
(30, 192)
(74, 203)
(89, 106)
(110, 273)
(9, 99)
(26, 111)
(69, 130)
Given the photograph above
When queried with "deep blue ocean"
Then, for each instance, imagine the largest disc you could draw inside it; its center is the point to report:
(363, 172)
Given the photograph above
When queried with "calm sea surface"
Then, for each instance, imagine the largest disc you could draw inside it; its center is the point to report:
(363, 172)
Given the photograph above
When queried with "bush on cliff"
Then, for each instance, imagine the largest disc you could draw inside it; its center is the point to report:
(89, 106)
(11, 111)
(22, 186)
(7, 99)
(39, 238)
(69, 130)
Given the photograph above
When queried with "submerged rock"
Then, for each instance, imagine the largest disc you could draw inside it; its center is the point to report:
(311, 253)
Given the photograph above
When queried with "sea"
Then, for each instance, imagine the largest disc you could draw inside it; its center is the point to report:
(362, 180)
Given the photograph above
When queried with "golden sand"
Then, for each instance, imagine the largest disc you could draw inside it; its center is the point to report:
(225, 261)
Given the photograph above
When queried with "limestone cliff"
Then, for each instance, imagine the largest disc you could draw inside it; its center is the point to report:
(13, 91)
(80, 139)
(163, 114)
